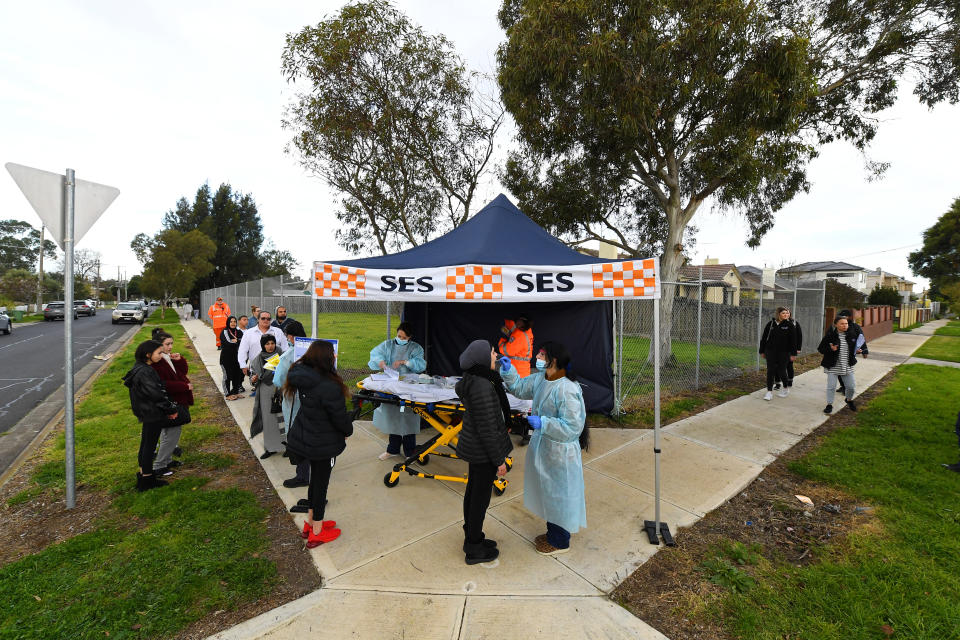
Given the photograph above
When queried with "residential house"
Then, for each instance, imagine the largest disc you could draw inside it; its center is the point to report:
(752, 280)
(843, 272)
(886, 279)
(721, 282)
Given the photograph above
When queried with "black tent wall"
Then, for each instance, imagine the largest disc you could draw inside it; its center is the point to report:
(584, 328)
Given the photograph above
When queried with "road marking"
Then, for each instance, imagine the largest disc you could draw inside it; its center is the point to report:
(13, 344)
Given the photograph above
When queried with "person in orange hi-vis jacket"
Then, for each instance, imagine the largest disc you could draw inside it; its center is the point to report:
(517, 344)
(219, 311)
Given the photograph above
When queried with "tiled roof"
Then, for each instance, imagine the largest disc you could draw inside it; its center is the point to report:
(710, 271)
(822, 266)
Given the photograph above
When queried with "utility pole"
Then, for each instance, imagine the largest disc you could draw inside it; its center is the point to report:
(126, 295)
(97, 289)
(40, 275)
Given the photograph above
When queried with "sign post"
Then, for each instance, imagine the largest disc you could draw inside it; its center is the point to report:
(54, 198)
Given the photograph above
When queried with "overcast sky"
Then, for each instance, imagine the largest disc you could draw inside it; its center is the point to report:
(156, 98)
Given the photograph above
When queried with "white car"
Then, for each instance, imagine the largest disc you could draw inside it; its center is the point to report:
(128, 312)
(6, 323)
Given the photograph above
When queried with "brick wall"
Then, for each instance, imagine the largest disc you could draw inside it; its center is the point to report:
(875, 321)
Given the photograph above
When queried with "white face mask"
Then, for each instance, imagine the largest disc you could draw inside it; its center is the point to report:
(541, 364)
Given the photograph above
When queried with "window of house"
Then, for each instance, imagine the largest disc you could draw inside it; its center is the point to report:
(840, 275)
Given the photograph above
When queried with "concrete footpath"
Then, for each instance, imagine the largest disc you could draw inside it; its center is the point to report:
(397, 570)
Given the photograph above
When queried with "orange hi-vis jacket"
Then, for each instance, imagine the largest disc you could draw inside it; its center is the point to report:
(218, 315)
(518, 347)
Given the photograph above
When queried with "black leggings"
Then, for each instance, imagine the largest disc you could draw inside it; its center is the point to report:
(476, 499)
(777, 368)
(319, 481)
(149, 436)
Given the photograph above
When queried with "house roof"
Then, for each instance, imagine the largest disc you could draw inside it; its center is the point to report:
(710, 271)
(827, 265)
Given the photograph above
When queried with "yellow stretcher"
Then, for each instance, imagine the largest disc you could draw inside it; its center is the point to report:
(445, 417)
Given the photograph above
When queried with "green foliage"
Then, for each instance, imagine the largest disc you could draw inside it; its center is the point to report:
(904, 573)
(388, 116)
(841, 296)
(18, 285)
(20, 246)
(725, 562)
(884, 295)
(177, 261)
(939, 258)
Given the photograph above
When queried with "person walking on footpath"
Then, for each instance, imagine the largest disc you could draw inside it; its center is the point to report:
(264, 419)
(152, 407)
(280, 319)
(777, 383)
(402, 355)
(319, 431)
(291, 405)
(172, 369)
(856, 331)
(839, 348)
(219, 311)
(553, 478)
(230, 339)
(250, 343)
(483, 443)
(778, 346)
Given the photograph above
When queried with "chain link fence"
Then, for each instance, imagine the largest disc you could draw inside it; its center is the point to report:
(709, 342)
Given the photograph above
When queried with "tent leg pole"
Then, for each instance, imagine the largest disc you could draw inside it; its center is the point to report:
(388, 320)
(655, 529)
(616, 364)
(313, 306)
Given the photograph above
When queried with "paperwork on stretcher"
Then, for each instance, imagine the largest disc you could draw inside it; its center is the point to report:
(429, 393)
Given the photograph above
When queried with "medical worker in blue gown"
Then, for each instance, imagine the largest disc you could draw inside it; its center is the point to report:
(406, 356)
(553, 477)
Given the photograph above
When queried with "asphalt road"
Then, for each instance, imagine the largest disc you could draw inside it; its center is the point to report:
(31, 369)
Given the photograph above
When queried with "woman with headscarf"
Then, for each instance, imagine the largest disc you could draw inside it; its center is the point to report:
(405, 356)
(261, 374)
(483, 442)
(553, 477)
(229, 345)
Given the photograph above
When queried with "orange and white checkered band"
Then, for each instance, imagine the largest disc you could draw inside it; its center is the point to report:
(633, 278)
(332, 281)
(474, 283)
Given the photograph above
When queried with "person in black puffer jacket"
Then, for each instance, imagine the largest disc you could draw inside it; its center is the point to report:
(483, 443)
(778, 345)
(151, 405)
(318, 432)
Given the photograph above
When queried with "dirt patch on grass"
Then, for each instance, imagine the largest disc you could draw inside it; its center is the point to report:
(34, 522)
(672, 593)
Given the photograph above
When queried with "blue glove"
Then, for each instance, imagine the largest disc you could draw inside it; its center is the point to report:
(534, 422)
(505, 363)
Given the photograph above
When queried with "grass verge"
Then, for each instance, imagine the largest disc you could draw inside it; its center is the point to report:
(940, 347)
(143, 565)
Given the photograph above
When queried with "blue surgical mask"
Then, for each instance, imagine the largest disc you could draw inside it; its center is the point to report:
(402, 342)
(541, 364)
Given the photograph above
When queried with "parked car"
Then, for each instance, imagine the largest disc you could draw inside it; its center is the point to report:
(6, 323)
(93, 305)
(128, 312)
(154, 303)
(55, 311)
(84, 308)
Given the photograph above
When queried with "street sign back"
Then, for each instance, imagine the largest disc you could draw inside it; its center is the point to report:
(44, 191)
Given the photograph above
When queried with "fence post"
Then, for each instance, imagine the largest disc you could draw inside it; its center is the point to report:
(696, 375)
(796, 283)
(260, 306)
(388, 320)
(759, 320)
(246, 297)
(823, 308)
(282, 301)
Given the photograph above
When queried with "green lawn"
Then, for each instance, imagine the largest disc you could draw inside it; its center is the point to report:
(157, 560)
(940, 347)
(899, 578)
(358, 333)
(717, 361)
(952, 329)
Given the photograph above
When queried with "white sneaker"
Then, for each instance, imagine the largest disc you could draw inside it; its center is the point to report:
(386, 456)
(783, 393)
(768, 395)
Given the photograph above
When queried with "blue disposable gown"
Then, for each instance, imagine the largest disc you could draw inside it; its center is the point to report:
(553, 477)
(388, 418)
(290, 405)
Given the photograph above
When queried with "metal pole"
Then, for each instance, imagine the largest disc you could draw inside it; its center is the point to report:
(656, 412)
(616, 364)
(261, 294)
(823, 308)
(313, 305)
(40, 274)
(696, 374)
(68, 210)
(388, 320)
(759, 320)
(620, 352)
(283, 303)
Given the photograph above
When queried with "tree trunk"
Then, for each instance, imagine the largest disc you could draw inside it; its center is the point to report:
(670, 263)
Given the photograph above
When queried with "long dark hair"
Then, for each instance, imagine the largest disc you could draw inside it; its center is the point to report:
(320, 358)
(558, 352)
(145, 348)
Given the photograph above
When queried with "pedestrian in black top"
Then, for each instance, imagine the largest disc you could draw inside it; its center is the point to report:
(855, 331)
(840, 348)
(152, 407)
(318, 432)
(483, 443)
(229, 346)
(778, 345)
(777, 383)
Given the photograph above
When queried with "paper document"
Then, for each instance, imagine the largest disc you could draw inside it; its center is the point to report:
(271, 364)
(860, 342)
(388, 374)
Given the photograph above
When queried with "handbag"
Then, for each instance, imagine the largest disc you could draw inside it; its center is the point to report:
(276, 403)
(183, 417)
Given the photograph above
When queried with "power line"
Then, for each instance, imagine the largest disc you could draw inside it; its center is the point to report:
(907, 246)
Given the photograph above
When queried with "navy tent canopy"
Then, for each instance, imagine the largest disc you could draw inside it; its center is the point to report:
(500, 234)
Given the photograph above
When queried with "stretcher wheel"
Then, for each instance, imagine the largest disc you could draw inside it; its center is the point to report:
(391, 483)
(425, 460)
(498, 491)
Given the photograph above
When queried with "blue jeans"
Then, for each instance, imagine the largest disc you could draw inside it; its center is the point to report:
(557, 536)
(409, 443)
(850, 386)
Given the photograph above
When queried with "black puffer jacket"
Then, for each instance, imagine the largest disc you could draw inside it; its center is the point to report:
(148, 397)
(780, 337)
(483, 437)
(322, 424)
(833, 337)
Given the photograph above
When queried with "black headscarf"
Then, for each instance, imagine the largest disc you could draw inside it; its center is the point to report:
(486, 372)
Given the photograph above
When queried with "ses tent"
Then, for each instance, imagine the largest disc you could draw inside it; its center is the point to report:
(500, 264)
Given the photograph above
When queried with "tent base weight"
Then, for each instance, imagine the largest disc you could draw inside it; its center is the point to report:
(651, 528)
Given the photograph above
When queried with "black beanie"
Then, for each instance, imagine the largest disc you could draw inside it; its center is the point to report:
(477, 352)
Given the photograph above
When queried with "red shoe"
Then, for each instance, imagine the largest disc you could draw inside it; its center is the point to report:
(326, 524)
(325, 535)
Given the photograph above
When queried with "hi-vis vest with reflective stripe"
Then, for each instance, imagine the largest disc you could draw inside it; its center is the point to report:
(518, 347)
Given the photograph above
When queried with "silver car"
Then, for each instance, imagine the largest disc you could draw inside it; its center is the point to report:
(128, 312)
(6, 323)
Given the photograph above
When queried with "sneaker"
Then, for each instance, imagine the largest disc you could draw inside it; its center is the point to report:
(162, 473)
(544, 548)
(952, 467)
(828, 409)
(851, 405)
(768, 395)
(386, 455)
(174, 464)
(293, 483)
(776, 386)
(783, 393)
(177, 451)
(478, 553)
